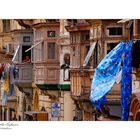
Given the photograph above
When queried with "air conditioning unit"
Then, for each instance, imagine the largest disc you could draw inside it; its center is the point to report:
(9, 48)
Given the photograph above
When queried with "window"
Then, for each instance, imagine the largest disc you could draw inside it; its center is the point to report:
(136, 54)
(85, 35)
(6, 25)
(26, 56)
(110, 46)
(114, 31)
(39, 34)
(9, 48)
(26, 39)
(74, 38)
(51, 33)
(39, 53)
(99, 32)
(95, 61)
(95, 33)
(86, 52)
(92, 33)
(51, 50)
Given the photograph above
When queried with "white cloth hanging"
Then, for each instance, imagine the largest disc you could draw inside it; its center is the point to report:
(119, 77)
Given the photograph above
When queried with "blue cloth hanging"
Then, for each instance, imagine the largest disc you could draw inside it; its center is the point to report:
(126, 82)
(4, 99)
(105, 75)
(11, 92)
(3, 96)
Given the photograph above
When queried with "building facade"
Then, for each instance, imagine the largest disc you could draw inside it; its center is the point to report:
(9, 110)
(50, 58)
(90, 41)
(54, 62)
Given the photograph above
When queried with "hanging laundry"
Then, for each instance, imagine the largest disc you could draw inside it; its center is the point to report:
(6, 77)
(119, 77)
(5, 83)
(105, 75)
(126, 82)
(3, 96)
(4, 99)
(1, 69)
(16, 72)
(11, 72)
(11, 92)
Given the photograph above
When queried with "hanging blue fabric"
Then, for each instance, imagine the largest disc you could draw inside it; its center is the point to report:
(4, 99)
(11, 92)
(105, 75)
(126, 82)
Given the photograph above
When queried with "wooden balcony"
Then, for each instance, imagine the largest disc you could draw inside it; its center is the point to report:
(23, 77)
(47, 75)
(11, 101)
(12, 98)
(135, 107)
(81, 83)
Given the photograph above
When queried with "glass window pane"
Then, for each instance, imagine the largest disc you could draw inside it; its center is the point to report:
(115, 30)
(26, 39)
(51, 33)
(26, 56)
(51, 50)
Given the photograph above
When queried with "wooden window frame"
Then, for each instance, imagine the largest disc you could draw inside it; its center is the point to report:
(117, 35)
(53, 33)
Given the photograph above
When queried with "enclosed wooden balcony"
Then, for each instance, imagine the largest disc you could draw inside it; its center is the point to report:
(81, 83)
(46, 75)
(23, 75)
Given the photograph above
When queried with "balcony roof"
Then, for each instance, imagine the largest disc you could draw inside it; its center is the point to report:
(45, 24)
